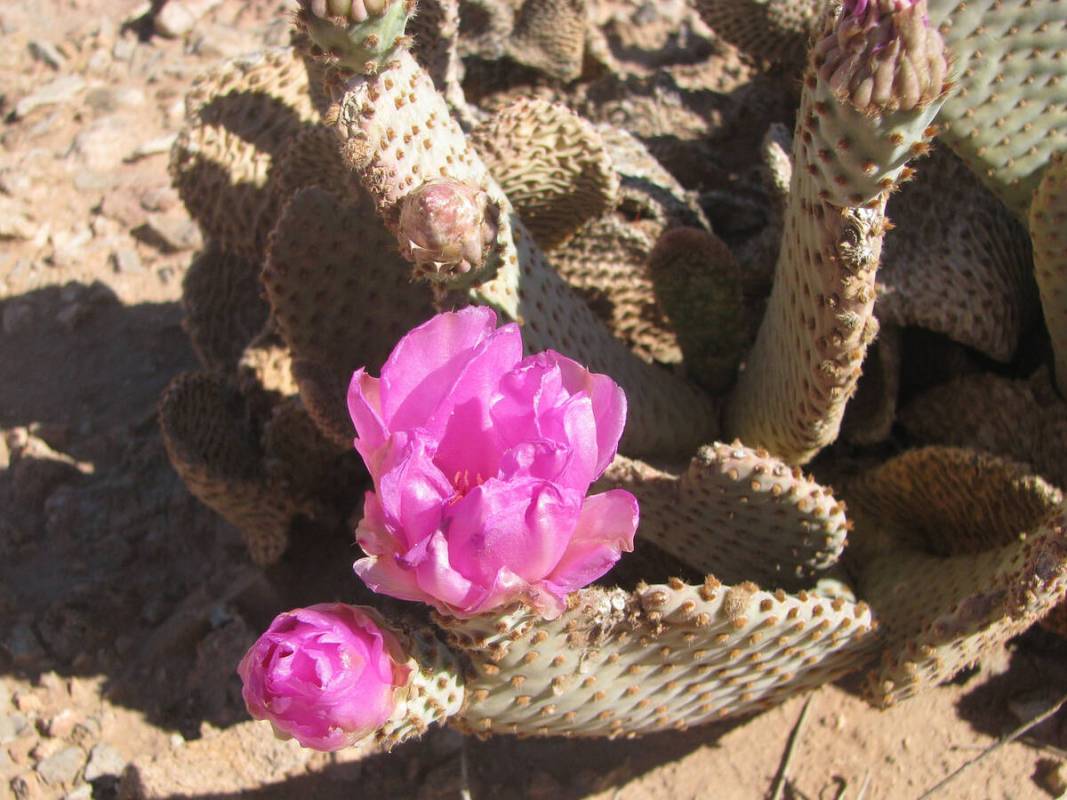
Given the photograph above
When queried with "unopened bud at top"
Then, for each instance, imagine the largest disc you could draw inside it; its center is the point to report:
(359, 35)
(446, 228)
(883, 56)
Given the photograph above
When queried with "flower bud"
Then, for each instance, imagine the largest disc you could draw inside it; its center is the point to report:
(327, 675)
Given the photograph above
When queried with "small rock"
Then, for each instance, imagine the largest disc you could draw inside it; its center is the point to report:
(15, 223)
(8, 768)
(61, 90)
(1051, 775)
(18, 318)
(127, 261)
(86, 733)
(60, 725)
(27, 787)
(177, 232)
(47, 52)
(104, 760)
(159, 198)
(11, 725)
(105, 143)
(83, 792)
(153, 147)
(178, 17)
(23, 647)
(123, 48)
(61, 767)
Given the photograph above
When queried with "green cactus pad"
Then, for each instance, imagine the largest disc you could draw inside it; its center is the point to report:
(663, 657)
(698, 286)
(961, 268)
(850, 149)
(956, 552)
(1048, 229)
(239, 118)
(552, 165)
(1008, 113)
(215, 449)
(364, 39)
(739, 513)
(397, 134)
(341, 298)
(223, 307)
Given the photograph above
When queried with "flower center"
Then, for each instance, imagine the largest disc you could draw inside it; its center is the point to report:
(463, 484)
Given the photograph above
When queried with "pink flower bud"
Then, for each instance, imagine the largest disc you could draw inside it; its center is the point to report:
(327, 675)
(446, 227)
(481, 461)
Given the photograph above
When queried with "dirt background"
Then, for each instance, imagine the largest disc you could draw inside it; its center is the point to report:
(125, 605)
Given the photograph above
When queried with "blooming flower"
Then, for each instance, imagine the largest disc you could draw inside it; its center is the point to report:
(325, 675)
(481, 461)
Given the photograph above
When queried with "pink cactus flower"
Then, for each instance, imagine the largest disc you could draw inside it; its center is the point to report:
(481, 461)
(327, 675)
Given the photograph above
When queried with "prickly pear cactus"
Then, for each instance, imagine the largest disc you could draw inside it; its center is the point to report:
(875, 80)
(956, 552)
(348, 189)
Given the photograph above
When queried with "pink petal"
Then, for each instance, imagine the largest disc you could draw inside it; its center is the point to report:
(438, 578)
(609, 404)
(605, 531)
(383, 575)
(412, 491)
(522, 525)
(365, 409)
(421, 371)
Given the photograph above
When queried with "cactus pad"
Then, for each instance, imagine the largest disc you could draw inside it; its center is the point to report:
(341, 297)
(740, 513)
(960, 268)
(215, 449)
(698, 286)
(769, 30)
(859, 123)
(552, 165)
(239, 118)
(957, 552)
(1048, 228)
(223, 307)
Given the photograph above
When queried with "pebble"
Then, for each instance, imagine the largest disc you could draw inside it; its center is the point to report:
(27, 787)
(104, 760)
(18, 318)
(153, 147)
(177, 232)
(83, 792)
(178, 17)
(11, 725)
(123, 48)
(47, 52)
(127, 261)
(15, 223)
(22, 646)
(61, 767)
(61, 90)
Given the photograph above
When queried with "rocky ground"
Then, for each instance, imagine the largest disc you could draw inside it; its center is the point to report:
(126, 605)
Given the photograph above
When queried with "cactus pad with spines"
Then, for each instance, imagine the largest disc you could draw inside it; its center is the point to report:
(956, 552)
(1008, 113)
(738, 512)
(851, 147)
(361, 37)
(960, 268)
(239, 118)
(215, 448)
(1048, 229)
(662, 657)
(698, 286)
(549, 35)
(552, 165)
(223, 307)
(398, 133)
(341, 297)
